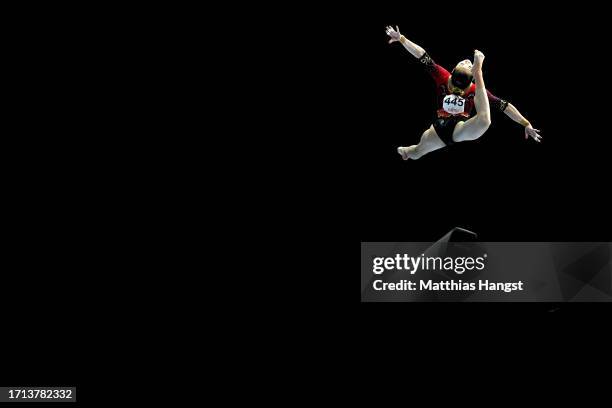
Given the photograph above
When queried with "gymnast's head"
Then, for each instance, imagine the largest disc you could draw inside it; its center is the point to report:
(461, 77)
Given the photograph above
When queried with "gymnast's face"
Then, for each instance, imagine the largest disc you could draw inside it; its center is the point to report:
(464, 66)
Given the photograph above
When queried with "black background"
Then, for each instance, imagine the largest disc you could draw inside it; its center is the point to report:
(52, 278)
(502, 187)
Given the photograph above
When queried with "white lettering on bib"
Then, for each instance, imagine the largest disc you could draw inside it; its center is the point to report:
(453, 104)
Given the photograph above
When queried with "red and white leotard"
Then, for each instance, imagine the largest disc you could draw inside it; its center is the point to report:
(454, 105)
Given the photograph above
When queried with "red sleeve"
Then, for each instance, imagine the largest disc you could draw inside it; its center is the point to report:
(438, 73)
(496, 103)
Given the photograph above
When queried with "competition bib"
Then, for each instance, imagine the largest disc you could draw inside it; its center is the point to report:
(453, 104)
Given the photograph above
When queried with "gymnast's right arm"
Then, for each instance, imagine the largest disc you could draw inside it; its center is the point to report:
(395, 35)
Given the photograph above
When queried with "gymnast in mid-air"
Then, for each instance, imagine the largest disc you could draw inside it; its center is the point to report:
(457, 93)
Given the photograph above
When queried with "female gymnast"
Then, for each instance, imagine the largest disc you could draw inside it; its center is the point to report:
(457, 93)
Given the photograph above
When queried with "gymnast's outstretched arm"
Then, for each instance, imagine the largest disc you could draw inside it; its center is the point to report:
(516, 116)
(395, 35)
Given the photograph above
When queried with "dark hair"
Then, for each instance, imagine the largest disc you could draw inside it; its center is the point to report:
(461, 79)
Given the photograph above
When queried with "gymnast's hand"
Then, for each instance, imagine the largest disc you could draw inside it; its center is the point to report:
(394, 34)
(531, 132)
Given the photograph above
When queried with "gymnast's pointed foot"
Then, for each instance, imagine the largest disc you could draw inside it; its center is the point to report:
(478, 60)
(405, 152)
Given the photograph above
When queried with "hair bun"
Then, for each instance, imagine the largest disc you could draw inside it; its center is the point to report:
(461, 79)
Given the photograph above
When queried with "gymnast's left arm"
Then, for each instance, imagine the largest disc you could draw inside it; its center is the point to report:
(514, 114)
